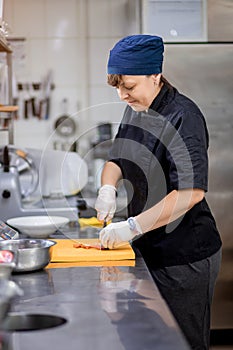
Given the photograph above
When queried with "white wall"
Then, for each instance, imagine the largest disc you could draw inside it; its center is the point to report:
(73, 38)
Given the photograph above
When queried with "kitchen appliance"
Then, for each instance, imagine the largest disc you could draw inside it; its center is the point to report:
(35, 183)
(204, 72)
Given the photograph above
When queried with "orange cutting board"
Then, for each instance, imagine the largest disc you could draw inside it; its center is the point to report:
(58, 265)
(64, 251)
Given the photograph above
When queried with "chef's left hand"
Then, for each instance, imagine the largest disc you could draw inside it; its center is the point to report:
(117, 234)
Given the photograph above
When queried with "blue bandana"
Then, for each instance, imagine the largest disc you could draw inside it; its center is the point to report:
(137, 55)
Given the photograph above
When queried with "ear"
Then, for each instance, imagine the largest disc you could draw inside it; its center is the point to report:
(156, 78)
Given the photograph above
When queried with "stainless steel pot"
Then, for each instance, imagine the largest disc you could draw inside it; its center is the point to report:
(32, 254)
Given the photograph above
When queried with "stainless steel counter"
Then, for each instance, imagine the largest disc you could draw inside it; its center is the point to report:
(106, 307)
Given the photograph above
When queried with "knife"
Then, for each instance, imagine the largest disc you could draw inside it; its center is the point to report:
(104, 225)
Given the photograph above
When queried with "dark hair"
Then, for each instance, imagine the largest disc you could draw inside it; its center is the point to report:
(116, 79)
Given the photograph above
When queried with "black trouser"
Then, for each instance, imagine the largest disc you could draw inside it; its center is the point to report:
(188, 291)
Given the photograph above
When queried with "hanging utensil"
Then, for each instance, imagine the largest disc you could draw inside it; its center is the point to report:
(6, 160)
(65, 126)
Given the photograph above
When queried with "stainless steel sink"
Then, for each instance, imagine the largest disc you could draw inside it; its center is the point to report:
(21, 322)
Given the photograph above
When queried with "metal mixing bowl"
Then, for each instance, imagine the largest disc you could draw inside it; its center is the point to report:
(32, 254)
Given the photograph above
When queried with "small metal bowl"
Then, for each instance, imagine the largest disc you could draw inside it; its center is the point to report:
(32, 254)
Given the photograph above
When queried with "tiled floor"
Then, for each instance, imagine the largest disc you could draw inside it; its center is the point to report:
(221, 347)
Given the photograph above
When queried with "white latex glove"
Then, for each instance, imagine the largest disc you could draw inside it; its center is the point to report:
(117, 234)
(106, 203)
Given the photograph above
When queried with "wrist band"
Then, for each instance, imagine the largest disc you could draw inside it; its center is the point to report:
(132, 225)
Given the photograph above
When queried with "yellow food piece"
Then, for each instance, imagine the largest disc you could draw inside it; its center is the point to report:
(93, 221)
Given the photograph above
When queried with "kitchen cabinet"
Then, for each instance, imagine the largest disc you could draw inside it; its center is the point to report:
(8, 111)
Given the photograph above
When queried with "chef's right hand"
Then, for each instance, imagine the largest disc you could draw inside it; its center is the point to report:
(106, 203)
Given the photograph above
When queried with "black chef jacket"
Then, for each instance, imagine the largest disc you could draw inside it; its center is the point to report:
(158, 151)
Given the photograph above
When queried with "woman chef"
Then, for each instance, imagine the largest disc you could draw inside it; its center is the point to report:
(160, 151)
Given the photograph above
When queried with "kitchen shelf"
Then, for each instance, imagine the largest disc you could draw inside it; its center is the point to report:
(8, 109)
(4, 47)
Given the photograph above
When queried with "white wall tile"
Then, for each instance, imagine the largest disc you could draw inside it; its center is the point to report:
(105, 106)
(64, 57)
(98, 55)
(102, 94)
(119, 18)
(73, 102)
(98, 95)
(38, 135)
(8, 13)
(99, 49)
(107, 18)
(62, 18)
(21, 61)
(73, 38)
(29, 18)
(37, 59)
(99, 21)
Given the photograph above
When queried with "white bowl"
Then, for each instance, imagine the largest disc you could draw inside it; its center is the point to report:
(38, 226)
